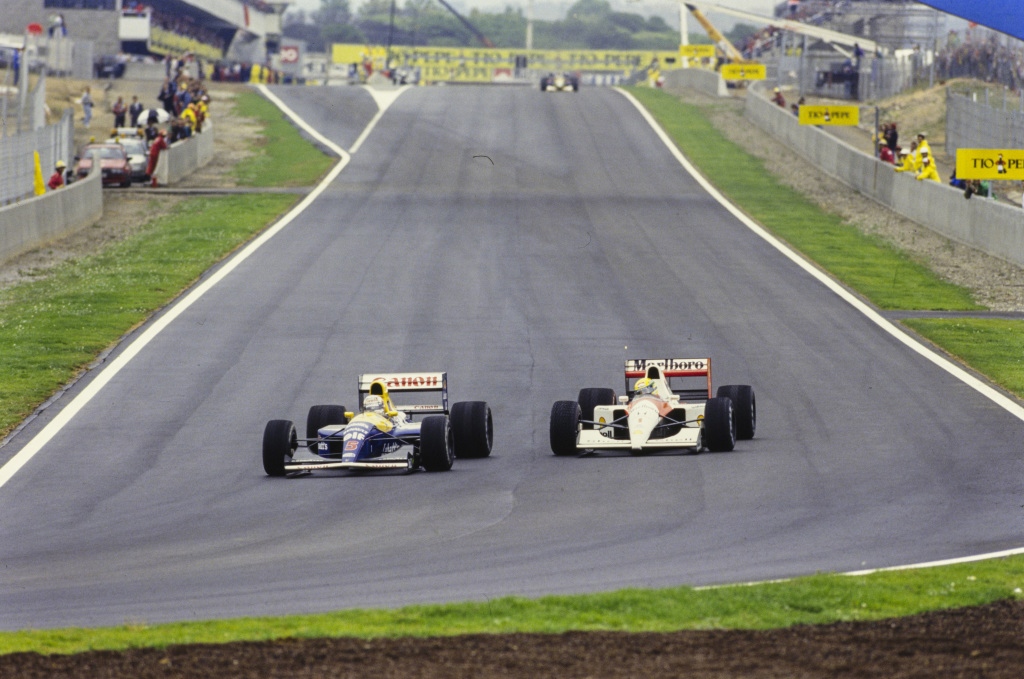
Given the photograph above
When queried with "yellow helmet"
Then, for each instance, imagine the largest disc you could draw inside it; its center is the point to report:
(644, 385)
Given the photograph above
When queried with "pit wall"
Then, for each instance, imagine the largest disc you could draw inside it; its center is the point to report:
(994, 228)
(35, 221)
(184, 157)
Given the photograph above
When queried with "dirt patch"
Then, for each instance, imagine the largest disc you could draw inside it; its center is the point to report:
(973, 642)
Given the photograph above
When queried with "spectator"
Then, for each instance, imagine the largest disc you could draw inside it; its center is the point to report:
(885, 155)
(982, 187)
(57, 178)
(166, 96)
(778, 98)
(120, 110)
(135, 110)
(928, 170)
(189, 116)
(907, 159)
(151, 132)
(154, 154)
(922, 144)
(87, 105)
(957, 183)
(892, 138)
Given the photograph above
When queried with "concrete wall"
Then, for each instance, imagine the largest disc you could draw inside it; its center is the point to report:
(35, 221)
(184, 157)
(994, 228)
(702, 80)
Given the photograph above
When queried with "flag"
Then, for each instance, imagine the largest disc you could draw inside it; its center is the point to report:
(40, 184)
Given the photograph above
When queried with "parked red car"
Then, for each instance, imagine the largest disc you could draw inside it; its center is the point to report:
(113, 162)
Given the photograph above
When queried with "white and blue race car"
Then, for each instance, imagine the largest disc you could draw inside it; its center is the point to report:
(660, 411)
(383, 434)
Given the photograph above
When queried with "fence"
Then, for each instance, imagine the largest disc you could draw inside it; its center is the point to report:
(972, 124)
(29, 134)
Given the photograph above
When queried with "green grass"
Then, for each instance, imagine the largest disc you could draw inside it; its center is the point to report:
(889, 278)
(283, 156)
(994, 347)
(53, 327)
(809, 600)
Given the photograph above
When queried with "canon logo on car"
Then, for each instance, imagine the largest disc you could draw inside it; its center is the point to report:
(409, 381)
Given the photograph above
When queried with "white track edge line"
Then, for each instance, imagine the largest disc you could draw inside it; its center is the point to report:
(46, 434)
(945, 364)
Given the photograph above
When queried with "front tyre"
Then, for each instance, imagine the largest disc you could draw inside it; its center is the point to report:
(279, 444)
(437, 449)
(472, 429)
(592, 397)
(320, 417)
(744, 408)
(565, 427)
(719, 425)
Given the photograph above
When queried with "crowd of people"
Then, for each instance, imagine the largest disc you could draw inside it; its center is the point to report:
(184, 102)
(987, 59)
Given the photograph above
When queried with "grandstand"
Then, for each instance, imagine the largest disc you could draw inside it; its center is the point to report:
(231, 30)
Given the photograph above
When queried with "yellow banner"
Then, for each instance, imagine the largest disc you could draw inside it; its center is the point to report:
(697, 51)
(829, 115)
(990, 164)
(743, 72)
(470, 64)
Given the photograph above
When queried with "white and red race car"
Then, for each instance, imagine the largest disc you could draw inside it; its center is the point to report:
(669, 406)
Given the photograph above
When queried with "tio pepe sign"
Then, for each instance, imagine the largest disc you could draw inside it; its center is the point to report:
(990, 164)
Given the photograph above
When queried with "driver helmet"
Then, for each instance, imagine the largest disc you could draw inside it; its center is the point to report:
(374, 404)
(644, 385)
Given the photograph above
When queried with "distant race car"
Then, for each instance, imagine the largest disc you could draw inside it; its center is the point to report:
(657, 412)
(559, 82)
(383, 435)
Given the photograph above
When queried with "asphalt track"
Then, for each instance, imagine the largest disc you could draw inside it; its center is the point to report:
(522, 242)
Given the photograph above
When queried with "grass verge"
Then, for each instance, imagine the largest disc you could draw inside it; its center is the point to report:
(52, 328)
(283, 157)
(992, 346)
(809, 600)
(888, 277)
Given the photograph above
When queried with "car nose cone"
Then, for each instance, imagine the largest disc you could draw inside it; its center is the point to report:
(644, 416)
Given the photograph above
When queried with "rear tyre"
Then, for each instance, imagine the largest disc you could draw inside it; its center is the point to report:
(565, 426)
(719, 425)
(744, 407)
(279, 444)
(592, 397)
(437, 450)
(472, 429)
(322, 416)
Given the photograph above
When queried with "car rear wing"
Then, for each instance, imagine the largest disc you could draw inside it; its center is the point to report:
(397, 383)
(669, 368)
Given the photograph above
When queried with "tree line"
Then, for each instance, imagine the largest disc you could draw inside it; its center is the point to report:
(588, 24)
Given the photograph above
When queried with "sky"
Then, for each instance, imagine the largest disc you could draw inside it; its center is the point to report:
(556, 9)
